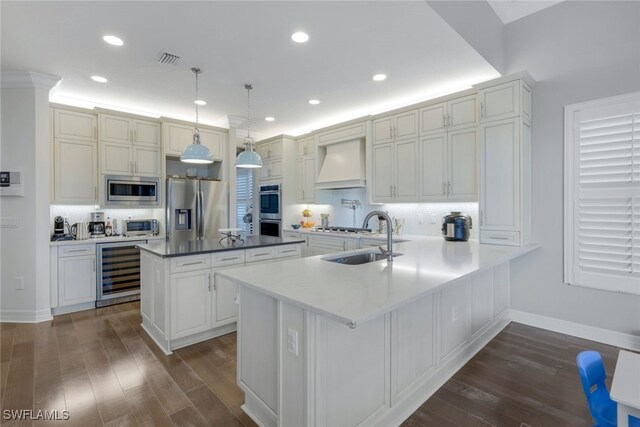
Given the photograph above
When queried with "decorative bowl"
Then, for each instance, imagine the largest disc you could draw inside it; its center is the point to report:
(295, 226)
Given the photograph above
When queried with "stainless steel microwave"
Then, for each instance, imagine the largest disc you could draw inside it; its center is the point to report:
(131, 191)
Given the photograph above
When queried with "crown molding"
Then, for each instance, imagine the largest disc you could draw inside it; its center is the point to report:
(28, 79)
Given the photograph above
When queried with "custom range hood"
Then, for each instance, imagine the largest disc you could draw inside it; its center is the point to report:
(342, 165)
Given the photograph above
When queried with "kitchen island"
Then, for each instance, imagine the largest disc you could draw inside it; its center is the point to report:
(183, 300)
(326, 344)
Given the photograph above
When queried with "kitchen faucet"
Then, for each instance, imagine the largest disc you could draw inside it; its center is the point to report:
(382, 215)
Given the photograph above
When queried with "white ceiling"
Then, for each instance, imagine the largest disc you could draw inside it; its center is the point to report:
(512, 10)
(238, 42)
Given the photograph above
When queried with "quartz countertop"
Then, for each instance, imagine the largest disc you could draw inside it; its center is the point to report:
(177, 248)
(352, 294)
(110, 239)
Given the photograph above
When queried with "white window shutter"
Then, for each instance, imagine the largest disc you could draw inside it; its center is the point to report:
(603, 195)
(244, 198)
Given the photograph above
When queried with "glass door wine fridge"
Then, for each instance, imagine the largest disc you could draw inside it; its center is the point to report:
(118, 271)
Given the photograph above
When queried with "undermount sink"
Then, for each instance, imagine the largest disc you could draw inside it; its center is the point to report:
(357, 259)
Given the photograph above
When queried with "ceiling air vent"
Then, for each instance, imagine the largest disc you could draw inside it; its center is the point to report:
(169, 59)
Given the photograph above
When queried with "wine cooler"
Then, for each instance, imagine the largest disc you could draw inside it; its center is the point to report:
(118, 272)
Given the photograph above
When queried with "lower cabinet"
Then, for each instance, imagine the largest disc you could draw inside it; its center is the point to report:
(190, 303)
(323, 245)
(73, 275)
(225, 296)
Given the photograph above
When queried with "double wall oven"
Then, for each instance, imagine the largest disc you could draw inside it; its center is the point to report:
(271, 210)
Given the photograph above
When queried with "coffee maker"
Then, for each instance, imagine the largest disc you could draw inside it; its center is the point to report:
(96, 225)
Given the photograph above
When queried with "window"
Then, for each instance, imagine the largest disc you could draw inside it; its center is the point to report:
(244, 198)
(602, 194)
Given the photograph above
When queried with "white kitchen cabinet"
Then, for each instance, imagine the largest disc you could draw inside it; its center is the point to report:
(190, 303)
(306, 146)
(129, 146)
(305, 179)
(459, 113)
(395, 171)
(75, 171)
(76, 275)
(225, 291)
(177, 137)
(505, 200)
(433, 167)
(481, 300)
(270, 150)
(271, 170)
(74, 125)
(271, 154)
(396, 127)
(323, 245)
(462, 165)
(507, 100)
(454, 318)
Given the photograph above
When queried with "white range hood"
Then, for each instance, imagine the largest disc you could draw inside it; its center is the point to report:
(342, 165)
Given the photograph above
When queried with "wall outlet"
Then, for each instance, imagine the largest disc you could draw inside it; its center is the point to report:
(292, 341)
(20, 283)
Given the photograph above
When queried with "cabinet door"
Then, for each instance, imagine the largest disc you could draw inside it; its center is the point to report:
(301, 147)
(382, 130)
(146, 161)
(263, 150)
(499, 175)
(76, 280)
(462, 112)
(463, 165)
(406, 168)
(176, 138)
(300, 180)
(73, 125)
(225, 309)
(115, 129)
(213, 141)
(146, 133)
(76, 172)
(275, 150)
(406, 125)
(275, 169)
(309, 180)
(190, 303)
(382, 174)
(432, 118)
(433, 160)
(454, 317)
(481, 300)
(500, 102)
(116, 159)
(265, 170)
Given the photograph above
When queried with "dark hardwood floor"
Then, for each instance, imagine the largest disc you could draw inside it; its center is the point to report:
(101, 367)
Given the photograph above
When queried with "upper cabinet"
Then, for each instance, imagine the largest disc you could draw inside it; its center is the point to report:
(74, 125)
(129, 146)
(177, 137)
(74, 157)
(395, 127)
(306, 169)
(306, 146)
(270, 150)
(504, 101)
(459, 113)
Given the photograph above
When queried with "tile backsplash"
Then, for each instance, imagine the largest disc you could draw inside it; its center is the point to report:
(80, 213)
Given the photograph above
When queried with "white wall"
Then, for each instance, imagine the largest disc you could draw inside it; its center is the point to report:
(576, 51)
(24, 147)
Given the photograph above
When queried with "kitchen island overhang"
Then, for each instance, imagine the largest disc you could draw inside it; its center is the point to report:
(325, 344)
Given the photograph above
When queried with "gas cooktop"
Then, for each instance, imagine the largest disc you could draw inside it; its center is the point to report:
(335, 229)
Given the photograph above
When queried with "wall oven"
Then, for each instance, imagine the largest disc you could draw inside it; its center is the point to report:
(118, 272)
(131, 191)
(271, 227)
(270, 202)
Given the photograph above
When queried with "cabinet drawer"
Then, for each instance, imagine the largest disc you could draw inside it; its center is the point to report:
(227, 258)
(76, 250)
(190, 263)
(259, 254)
(511, 238)
(287, 251)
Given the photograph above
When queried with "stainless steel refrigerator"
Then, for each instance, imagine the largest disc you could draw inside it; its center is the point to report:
(196, 208)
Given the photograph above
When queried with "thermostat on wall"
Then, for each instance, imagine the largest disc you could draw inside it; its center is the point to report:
(11, 184)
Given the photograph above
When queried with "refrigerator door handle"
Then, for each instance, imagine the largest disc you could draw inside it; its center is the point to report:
(201, 214)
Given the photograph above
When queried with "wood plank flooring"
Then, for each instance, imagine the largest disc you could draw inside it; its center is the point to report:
(103, 368)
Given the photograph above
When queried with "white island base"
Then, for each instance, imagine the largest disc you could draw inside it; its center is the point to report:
(300, 368)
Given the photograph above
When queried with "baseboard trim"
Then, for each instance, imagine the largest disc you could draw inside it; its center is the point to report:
(25, 316)
(579, 330)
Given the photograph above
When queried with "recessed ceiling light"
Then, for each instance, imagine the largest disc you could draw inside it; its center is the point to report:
(200, 102)
(269, 119)
(116, 41)
(98, 79)
(380, 77)
(314, 101)
(299, 37)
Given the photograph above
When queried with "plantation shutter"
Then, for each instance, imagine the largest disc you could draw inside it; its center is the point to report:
(244, 198)
(605, 194)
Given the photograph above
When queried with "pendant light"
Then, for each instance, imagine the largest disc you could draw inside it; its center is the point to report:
(196, 152)
(248, 158)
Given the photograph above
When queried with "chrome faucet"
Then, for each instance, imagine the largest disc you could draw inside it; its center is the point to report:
(382, 215)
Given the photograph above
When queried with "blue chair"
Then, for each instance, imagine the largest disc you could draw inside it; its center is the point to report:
(592, 374)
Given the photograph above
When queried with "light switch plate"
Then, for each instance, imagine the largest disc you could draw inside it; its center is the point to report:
(292, 341)
(7, 222)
